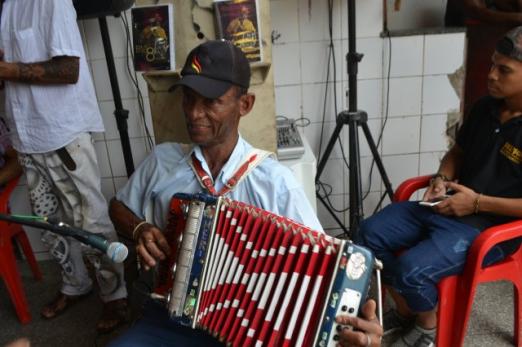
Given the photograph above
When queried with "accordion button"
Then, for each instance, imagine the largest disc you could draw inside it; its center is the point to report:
(336, 338)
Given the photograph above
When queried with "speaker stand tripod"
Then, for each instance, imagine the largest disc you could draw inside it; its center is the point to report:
(354, 118)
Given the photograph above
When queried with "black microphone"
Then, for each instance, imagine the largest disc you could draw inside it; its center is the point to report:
(116, 251)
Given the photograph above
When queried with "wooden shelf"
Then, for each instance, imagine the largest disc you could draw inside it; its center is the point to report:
(161, 81)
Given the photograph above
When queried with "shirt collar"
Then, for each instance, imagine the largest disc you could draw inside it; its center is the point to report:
(495, 108)
(235, 160)
(230, 166)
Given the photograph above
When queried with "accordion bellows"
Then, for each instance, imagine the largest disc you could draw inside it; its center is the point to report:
(252, 278)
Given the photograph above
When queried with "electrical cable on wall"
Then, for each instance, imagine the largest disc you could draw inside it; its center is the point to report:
(134, 78)
(383, 126)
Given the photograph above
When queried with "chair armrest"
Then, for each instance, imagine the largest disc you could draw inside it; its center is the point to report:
(410, 186)
(487, 240)
(5, 194)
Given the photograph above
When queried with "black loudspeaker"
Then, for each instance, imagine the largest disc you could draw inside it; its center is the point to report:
(100, 8)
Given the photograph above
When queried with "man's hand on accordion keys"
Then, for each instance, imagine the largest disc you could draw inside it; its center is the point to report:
(151, 245)
(366, 330)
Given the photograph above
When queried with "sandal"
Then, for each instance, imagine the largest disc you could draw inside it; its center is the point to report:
(115, 313)
(60, 303)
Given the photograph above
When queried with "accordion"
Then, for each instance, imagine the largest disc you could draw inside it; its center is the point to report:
(250, 277)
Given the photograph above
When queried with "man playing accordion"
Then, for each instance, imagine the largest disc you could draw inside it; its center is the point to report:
(215, 82)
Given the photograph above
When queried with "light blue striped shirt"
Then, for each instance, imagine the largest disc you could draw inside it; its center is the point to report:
(166, 171)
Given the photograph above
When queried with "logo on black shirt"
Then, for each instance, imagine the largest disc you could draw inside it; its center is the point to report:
(512, 153)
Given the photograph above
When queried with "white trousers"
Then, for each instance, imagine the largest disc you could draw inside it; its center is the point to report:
(70, 191)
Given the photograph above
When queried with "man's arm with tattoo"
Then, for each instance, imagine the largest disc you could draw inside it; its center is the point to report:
(58, 70)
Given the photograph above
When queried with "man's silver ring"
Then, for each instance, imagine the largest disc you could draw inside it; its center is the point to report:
(369, 343)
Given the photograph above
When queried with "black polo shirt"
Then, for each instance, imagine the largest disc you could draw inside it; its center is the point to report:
(492, 160)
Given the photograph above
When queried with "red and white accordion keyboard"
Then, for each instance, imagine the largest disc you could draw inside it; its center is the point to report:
(252, 278)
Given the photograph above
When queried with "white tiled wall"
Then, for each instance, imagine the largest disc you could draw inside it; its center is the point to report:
(113, 160)
(413, 102)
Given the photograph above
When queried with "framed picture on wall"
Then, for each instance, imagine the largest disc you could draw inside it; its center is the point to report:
(153, 37)
(238, 21)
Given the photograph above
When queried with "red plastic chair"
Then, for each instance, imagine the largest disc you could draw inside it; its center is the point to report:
(8, 268)
(456, 293)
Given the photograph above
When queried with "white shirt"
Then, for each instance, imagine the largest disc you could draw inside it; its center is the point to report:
(166, 171)
(43, 118)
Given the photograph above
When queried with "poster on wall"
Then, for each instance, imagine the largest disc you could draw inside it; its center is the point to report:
(238, 21)
(153, 37)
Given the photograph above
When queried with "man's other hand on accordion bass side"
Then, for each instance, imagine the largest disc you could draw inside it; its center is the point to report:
(366, 329)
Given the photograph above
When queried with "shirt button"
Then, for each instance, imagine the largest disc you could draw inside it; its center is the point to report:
(497, 130)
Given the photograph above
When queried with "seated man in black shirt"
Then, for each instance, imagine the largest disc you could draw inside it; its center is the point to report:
(486, 161)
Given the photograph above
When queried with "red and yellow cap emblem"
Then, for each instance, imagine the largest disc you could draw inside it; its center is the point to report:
(196, 65)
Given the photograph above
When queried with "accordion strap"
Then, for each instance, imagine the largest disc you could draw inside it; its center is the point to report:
(251, 160)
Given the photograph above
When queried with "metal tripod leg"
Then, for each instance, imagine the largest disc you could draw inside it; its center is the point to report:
(354, 120)
(356, 203)
(377, 158)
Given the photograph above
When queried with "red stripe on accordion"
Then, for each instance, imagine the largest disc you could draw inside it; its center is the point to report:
(272, 313)
(225, 239)
(313, 312)
(231, 263)
(231, 287)
(297, 314)
(173, 236)
(247, 263)
(268, 294)
(249, 325)
(253, 272)
(291, 293)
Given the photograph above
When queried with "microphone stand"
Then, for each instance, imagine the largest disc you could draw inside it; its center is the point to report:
(60, 229)
(354, 118)
(120, 113)
(116, 251)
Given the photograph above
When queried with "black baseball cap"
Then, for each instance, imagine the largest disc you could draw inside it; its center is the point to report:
(511, 44)
(213, 67)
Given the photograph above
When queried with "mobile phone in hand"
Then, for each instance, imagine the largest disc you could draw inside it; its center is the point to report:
(434, 201)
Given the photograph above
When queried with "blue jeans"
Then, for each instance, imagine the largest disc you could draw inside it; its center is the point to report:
(156, 329)
(435, 247)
